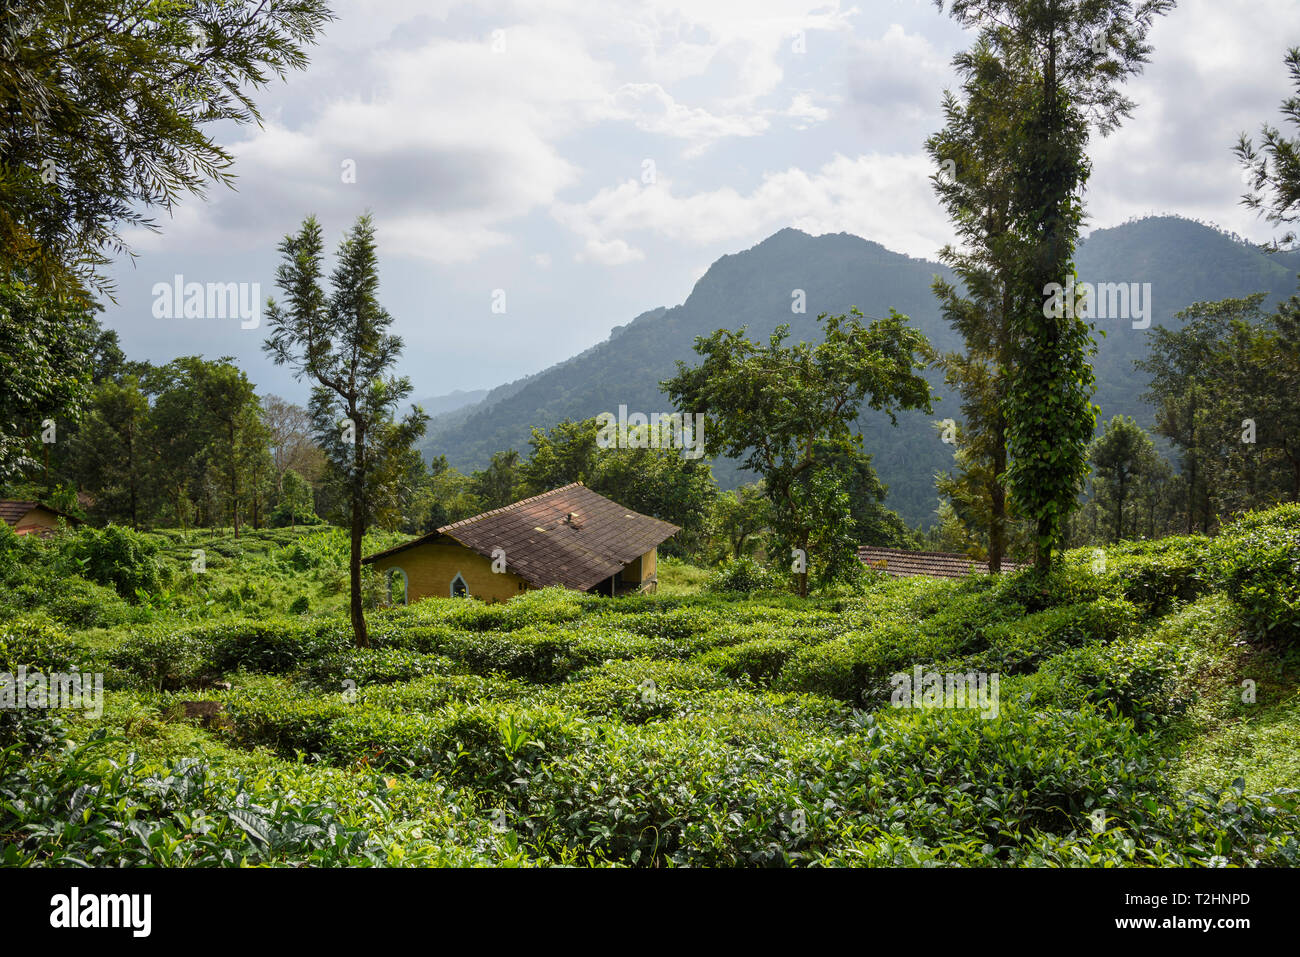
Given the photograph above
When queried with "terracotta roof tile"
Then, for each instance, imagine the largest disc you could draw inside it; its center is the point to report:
(905, 564)
(568, 536)
(12, 511)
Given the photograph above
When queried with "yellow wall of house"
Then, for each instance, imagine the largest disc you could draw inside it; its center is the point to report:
(639, 569)
(431, 568)
(38, 517)
(631, 572)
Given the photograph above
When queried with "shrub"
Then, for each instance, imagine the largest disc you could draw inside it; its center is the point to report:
(1257, 562)
(38, 645)
(758, 660)
(677, 625)
(270, 646)
(743, 576)
(287, 722)
(1138, 677)
(1154, 575)
(81, 604)
(186, 813)
(636, 690)
(529, 654)
(1065, 584)
(167, 660)
(118, 557)
(932, 624)
(1018, 647)
(372, 667)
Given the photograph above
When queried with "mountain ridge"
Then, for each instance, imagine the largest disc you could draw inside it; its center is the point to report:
(1184, 260)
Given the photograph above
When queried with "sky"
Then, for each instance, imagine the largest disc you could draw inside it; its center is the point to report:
(541, 172)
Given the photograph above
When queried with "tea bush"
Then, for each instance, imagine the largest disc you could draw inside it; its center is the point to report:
(743, 576)
(1256, 560)
(694, 729)
(758, 660)
(117, 557)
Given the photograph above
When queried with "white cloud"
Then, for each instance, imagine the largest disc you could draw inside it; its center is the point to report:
(887, 198)
(652, 109)
(609, 252)
(803, 108)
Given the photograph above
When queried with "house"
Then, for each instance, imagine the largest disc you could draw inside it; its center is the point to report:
(569, 536)
(905, 564)
(33, 518)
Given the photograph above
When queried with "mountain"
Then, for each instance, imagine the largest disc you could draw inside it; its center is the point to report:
(1184, 261)
(442, 404)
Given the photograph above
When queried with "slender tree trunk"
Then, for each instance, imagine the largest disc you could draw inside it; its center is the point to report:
(998, 503)
(1192, 464)
(130, 464)
(1119, 511)
(803, 575)
(359, 631)
(234, 482)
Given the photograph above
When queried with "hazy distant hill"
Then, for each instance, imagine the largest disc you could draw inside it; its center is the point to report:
(1183, 260)
(442, 404)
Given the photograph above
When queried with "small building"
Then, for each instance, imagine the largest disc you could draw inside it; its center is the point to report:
(569, 536)
(904, 564)
(34, 518)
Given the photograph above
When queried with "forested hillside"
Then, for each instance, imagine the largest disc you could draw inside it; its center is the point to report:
(1184, 261)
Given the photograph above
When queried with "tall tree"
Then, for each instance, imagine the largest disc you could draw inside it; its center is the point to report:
(1120, 456)
(789, 410)
(236, 439)
(179, 437)
(114, 454)
(495, 486)
(292, 446)
(657, 481)
(975, 183)
(1186, 381)
(1076, 52)
(342, 343)
(107, 108)
(296, 503)
(1274, 166)
(739, 517)
(46, 369)
(563, 454)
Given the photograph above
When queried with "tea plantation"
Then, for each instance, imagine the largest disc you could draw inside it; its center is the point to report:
(1147, 714)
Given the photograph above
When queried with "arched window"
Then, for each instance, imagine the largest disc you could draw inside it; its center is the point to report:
(398, 585)
(458, 587)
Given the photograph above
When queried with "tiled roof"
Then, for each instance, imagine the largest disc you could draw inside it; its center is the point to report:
(568, 536)
(13, 510)
(904, 564)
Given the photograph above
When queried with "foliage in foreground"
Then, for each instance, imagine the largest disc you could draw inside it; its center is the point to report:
(706, 729)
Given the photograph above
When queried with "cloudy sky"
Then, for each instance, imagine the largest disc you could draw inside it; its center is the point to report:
(590, 160)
